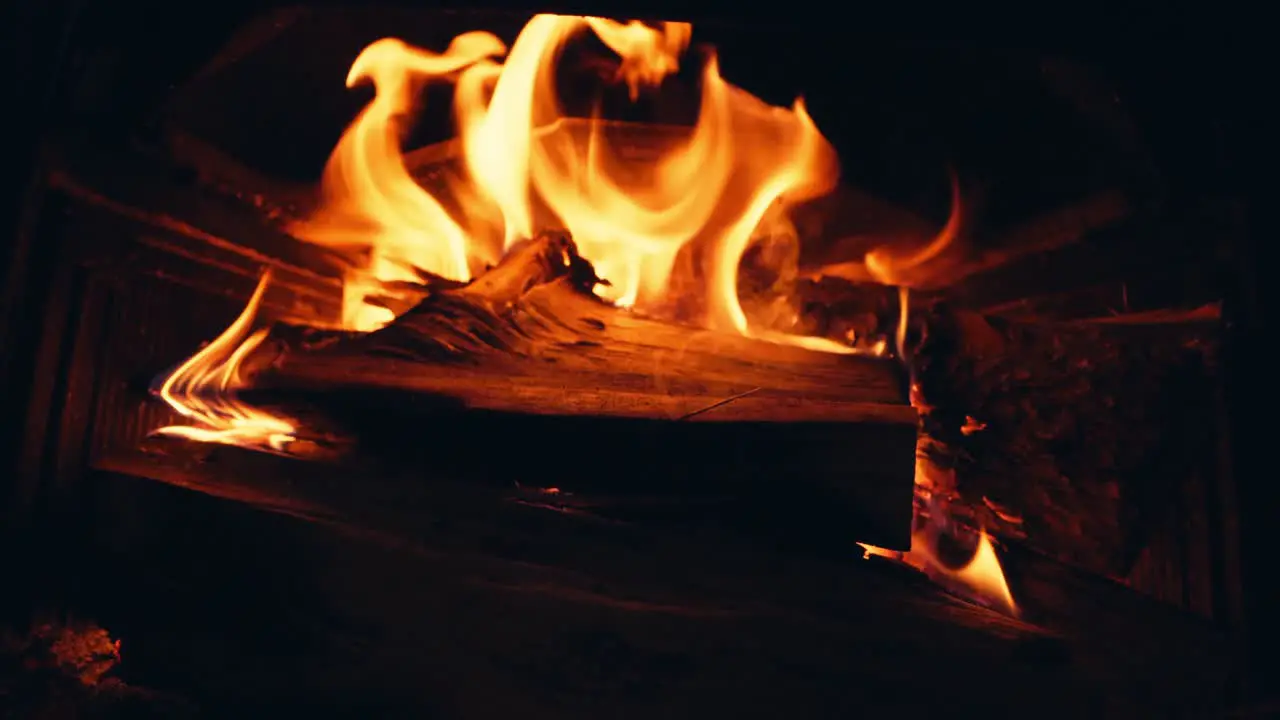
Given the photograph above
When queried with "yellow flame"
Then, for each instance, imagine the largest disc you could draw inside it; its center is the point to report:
(371, 203)
(900, 336)
(203, 389)
(982, 577)
(894, 268)
(630, 217)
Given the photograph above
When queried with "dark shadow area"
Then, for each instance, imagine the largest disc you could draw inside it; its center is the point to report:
(796, 484)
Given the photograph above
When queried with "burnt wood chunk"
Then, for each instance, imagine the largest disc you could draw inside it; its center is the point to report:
(1075, 437)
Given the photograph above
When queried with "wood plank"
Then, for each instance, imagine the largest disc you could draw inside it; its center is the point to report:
(473, 589)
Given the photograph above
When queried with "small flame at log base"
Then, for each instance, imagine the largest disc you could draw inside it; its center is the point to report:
(203, 389)
(982, 578)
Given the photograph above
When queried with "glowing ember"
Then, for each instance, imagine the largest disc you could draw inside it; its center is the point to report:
(739, 168)
(203, 389)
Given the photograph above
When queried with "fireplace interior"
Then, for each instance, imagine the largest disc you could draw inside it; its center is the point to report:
(963, 432)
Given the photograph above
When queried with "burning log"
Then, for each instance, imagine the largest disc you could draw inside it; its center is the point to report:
(642, 406)
(351, 557)
(530, 320)
(1072, 436)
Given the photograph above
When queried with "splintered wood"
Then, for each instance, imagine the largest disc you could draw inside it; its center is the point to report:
(528, 337)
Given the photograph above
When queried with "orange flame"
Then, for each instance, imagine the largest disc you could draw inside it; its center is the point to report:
(742, 162)
(981, 577)
(896, 268)
(204, 389)
(371, 203)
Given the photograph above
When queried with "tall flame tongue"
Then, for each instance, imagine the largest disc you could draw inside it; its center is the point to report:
(630, 218)
(204, 387)
(371, 203)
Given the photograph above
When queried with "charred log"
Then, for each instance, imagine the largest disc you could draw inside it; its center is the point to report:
(843, 311)
(1073, 436)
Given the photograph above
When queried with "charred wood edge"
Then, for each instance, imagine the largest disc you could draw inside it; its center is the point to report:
(150, 187)
(1136, 296)
(310, 291)
(1208, 314)
(488, 390)
(221, 173)
(1100, 624)
(1137, 331)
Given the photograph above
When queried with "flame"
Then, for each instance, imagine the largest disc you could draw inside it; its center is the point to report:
(653, 228)
(981, 578)
(204, 389)
(894, 268)
(900, 335)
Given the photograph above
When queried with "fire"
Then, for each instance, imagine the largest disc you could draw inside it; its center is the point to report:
(668, 230)
(893, 267)
(654, 228)
(371, 203)
(981, 577)
(204, 387)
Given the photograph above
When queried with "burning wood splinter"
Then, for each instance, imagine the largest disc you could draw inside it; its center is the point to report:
(204, 387)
